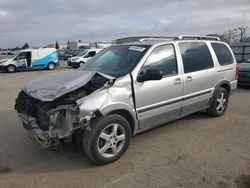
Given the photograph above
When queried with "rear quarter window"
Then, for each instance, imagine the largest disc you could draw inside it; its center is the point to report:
(195, 56)
(223, 54)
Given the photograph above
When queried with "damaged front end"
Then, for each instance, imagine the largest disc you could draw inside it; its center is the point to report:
(49, 122)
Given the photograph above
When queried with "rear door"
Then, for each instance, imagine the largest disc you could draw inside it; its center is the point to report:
(200, 76)
(159, 101)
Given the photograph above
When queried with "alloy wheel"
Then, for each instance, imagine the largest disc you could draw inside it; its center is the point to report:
(221, 102)
(111, 140)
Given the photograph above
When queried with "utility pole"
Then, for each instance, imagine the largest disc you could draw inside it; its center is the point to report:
(242, 32)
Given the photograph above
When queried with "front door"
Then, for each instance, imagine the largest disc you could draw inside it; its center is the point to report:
(21, 61)
(159, 101)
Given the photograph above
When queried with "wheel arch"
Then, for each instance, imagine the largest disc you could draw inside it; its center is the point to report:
(124, 112)
(12, 65)
(127, 115)
(51, 62)
(6, 67)
(224, 84)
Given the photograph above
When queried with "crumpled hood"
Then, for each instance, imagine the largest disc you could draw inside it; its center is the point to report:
(244, 67)
(52, 86)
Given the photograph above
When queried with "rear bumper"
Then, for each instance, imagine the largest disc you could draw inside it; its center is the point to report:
(233, 86)
(244, 80)
(243, 83)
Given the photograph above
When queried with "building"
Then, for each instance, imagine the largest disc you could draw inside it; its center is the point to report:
(81, 45)
(63, 46)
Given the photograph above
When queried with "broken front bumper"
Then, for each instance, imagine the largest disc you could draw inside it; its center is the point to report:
(44, 138)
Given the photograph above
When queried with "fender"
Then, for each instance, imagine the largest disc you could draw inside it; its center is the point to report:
(122, 107)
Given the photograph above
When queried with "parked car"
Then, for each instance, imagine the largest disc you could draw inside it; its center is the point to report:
(244, 75)
(68, 53)
(82, 58)
(45, 58)
(127, 89)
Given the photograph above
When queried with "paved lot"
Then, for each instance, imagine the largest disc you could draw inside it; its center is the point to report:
(197, 151)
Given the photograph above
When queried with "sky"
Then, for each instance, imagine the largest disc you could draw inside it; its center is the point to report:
(42, 22)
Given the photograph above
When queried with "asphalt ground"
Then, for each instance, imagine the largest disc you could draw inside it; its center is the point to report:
(197, 151)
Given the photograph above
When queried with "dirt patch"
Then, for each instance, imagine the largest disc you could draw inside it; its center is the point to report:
(243, 181)
(5, 170)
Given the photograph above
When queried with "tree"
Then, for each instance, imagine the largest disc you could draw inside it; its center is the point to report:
(79, 41)
(231, 36)
(242, 32)
(57, 45)
(236, 35)
(68, 45)
(247, 39)
(26, 45)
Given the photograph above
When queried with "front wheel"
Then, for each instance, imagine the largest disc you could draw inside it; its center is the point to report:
(219, 103)
(11, 68)
(108, 139)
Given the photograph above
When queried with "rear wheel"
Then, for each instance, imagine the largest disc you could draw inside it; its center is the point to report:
(11, 68)
(51, 66)
(219, 103)
(108, 139)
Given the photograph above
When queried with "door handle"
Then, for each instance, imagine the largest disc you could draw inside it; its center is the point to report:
(189, 78)
(177, 81)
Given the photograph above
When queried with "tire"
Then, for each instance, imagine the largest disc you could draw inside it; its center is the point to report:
(51, 66)
(81, 63)
(11, 68)
(102, 144)
(219, 103)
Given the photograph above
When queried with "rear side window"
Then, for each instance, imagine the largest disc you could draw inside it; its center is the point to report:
(223, 54)
(196, 56)
(162, 58)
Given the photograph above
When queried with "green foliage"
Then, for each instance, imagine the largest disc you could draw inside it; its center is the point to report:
(57, 45)
(25, 46)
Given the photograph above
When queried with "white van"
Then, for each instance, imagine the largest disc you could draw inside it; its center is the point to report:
(76, 61)
(31, 59)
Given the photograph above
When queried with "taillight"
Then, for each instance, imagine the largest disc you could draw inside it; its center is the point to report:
(237, 71)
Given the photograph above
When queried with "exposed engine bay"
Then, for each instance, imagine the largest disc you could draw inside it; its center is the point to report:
(48, 122)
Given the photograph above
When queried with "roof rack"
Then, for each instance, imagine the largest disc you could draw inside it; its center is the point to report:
(157, 38)
(197, 37)
(181, 37)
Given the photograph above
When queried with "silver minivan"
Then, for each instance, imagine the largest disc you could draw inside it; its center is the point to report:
(126, 89)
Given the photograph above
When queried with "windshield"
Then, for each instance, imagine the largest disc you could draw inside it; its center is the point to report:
(116, 61)
(81, 53)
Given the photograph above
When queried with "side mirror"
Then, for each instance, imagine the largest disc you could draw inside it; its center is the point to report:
(149, 74)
